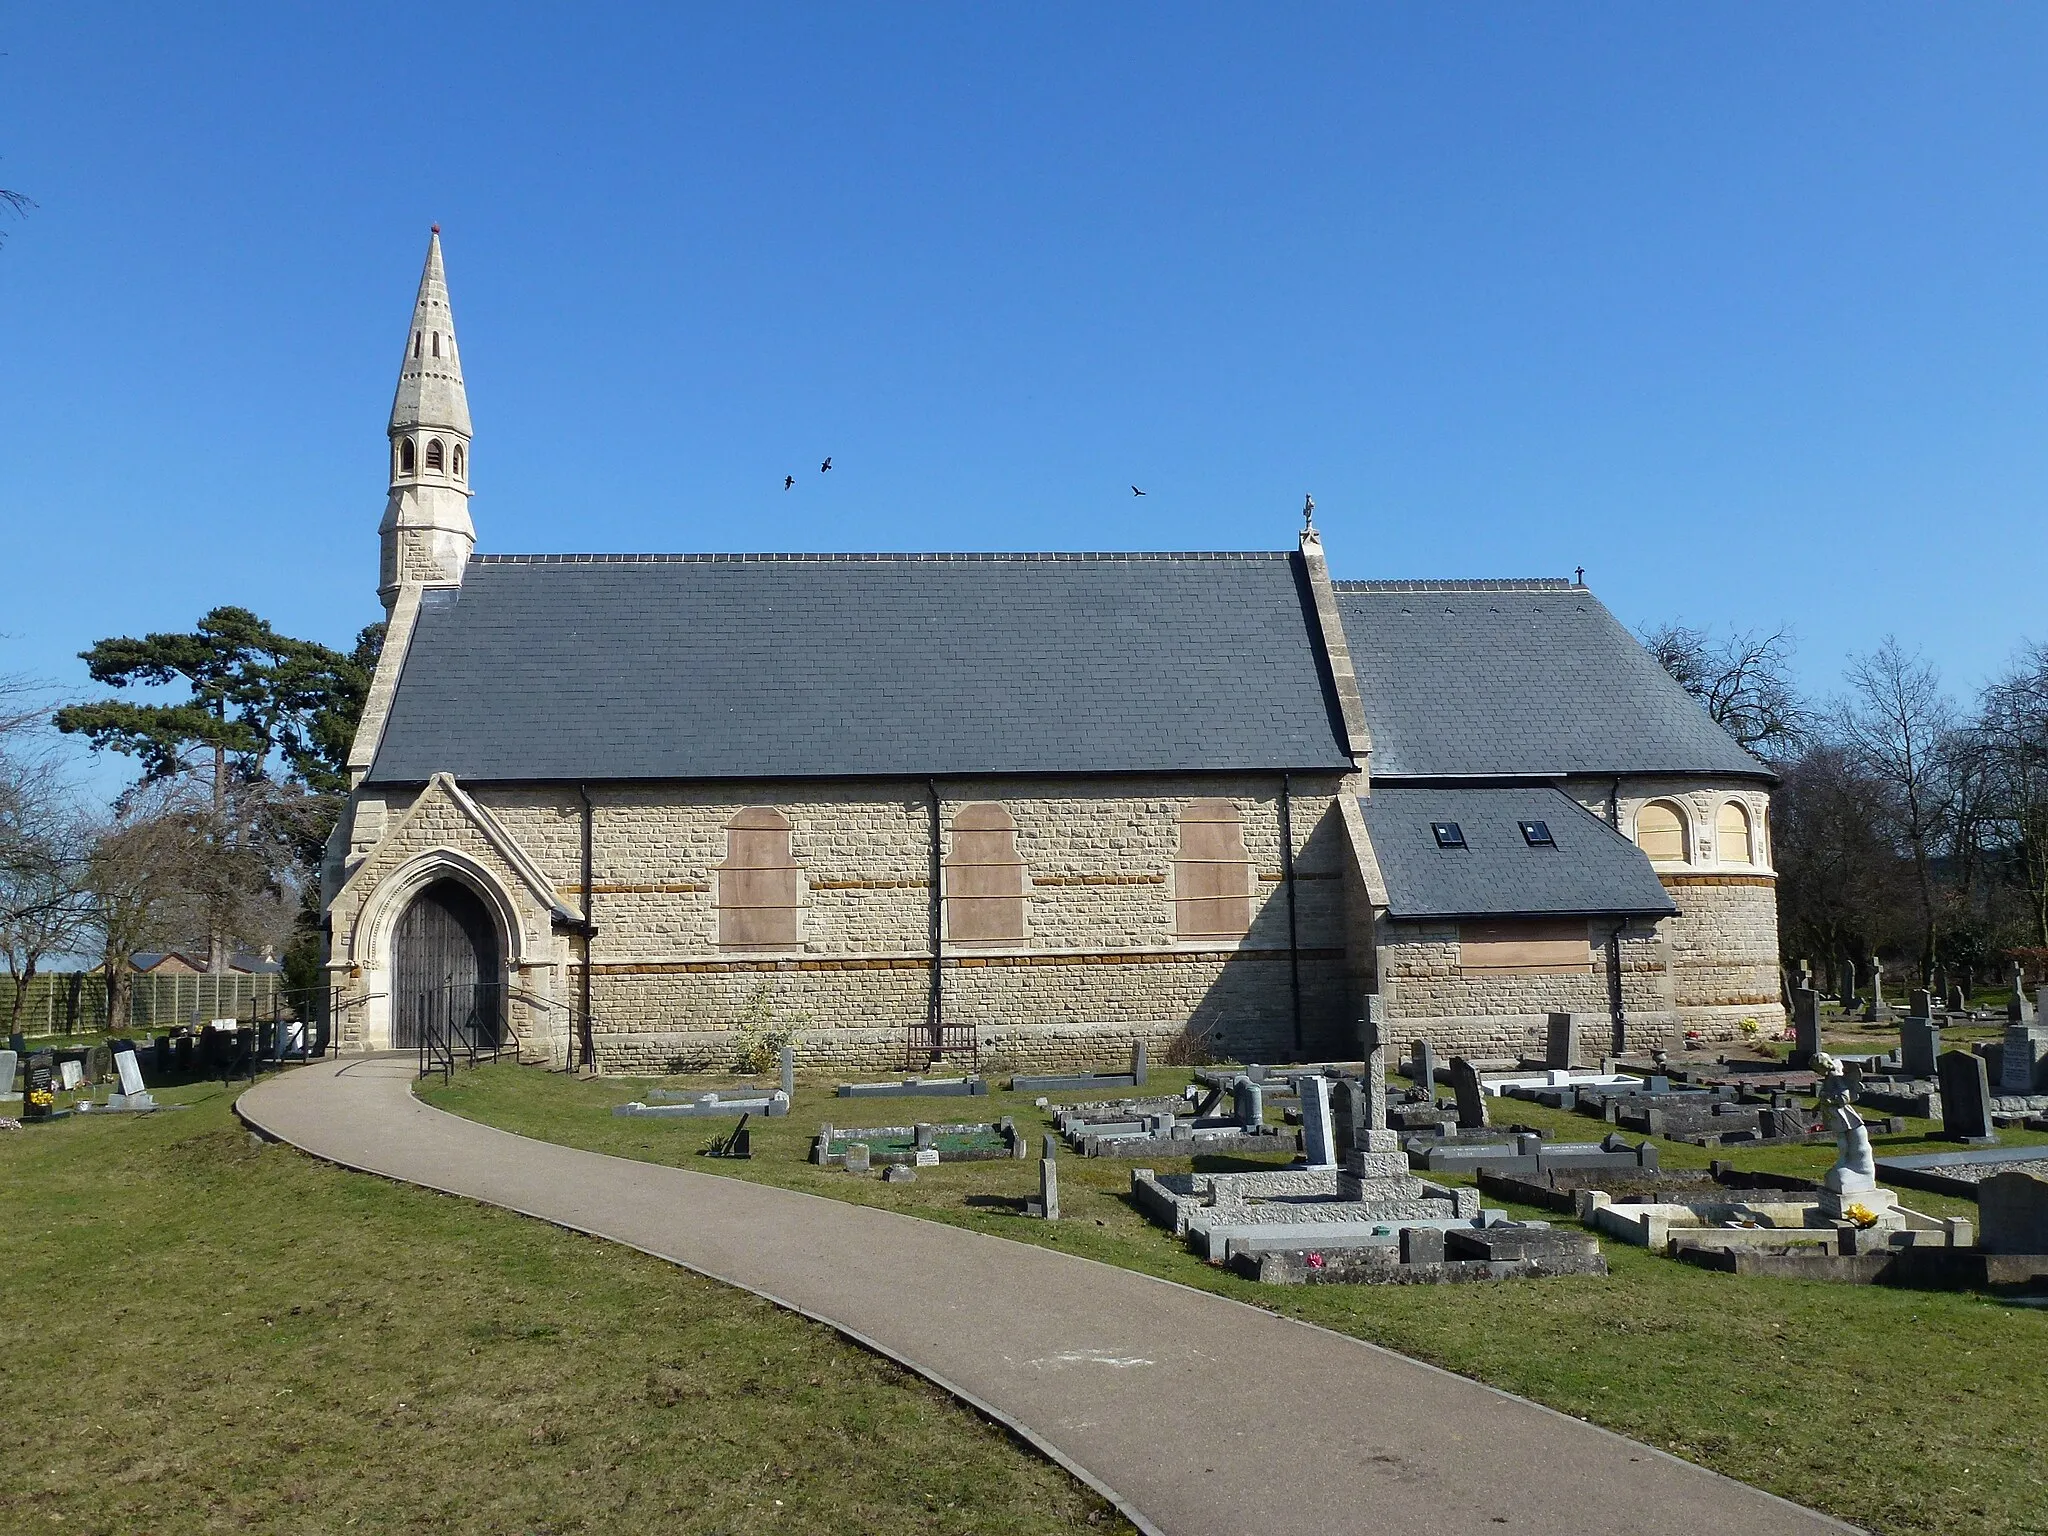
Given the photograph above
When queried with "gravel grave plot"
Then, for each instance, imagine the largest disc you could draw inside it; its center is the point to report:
(1977, 1173)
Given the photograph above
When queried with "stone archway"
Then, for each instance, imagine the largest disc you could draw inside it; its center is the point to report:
(447, 967)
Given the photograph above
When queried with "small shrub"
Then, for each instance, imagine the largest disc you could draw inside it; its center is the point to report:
(1193, 1045)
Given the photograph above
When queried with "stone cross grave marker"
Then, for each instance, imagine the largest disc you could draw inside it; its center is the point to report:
(1471, 1102)
(1318, 1135)
(1877, 1008)
(1372, 1040)
(1965, 1097)
(1248, 1102)
(1805, 1026)
(1919, 1044)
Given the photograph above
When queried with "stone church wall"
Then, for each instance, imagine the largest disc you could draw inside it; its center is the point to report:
(1100, 963)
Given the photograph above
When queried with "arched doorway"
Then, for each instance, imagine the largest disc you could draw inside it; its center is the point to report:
(445, 972)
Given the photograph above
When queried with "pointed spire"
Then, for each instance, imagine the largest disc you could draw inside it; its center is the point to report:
(430, 388)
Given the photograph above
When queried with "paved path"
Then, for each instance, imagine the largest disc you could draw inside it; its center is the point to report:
(1197, 1415)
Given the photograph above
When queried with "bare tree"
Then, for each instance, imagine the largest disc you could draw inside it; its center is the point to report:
(139, 868)
(1743, 681)
(2012, 732)
(1900, 728)
(1840, 889)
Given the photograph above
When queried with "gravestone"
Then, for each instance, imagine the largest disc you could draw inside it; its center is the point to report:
(2019, 1010)
(1957, 1000)
(99, 1065)
(1372, 1036)
(129, 1072)
(1965, 1098)
(788, 1065)
(1424, 1068)
(1877, 1008)
(923, 1137)
(1137, 1063)
(2022, 1059)
(1048, 1184)
(1350, 1115)
(38, 1094)
(1471, 1102)
(1561, 1048)
(859, 1158)
(1919, 1044)
(1805, 1027)
(9, 1062)
(897, 1173)
(925, 1157)
(1922, 1004)
(2012, 1213)
(1248, 1103)
(1318, 1139)
(1852, 1074)
(2041, 1005)
(70, 1076)
(1850, 1002)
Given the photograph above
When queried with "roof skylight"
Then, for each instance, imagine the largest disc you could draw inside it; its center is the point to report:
(1448, 834)
(1537, 834)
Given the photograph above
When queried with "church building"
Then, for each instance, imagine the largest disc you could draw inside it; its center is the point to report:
(1014, 809)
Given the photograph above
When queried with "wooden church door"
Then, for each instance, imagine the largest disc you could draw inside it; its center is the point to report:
(445, 968)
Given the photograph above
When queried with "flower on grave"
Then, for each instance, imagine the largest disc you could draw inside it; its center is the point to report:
(41, 1098)
(1861, 1214)
(1315, 1261)
(1751, 1029)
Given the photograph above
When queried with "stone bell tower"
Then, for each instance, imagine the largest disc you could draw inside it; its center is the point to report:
(426, 533)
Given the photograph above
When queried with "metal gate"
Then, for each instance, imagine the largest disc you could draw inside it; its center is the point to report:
(445, 970)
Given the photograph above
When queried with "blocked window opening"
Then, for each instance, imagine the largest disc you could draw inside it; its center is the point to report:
(433, 453)
(1525, 947)
(416, 339)
(1660, 832)
(458, 461)
(984, 878)
(437, 343)
(1212, 876)
(407, 458)
(1731, 832)
(760, 884)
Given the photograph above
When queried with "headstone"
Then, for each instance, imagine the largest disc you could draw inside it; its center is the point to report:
(1049, 1185)
(1424, 1071)
(1255, 1071)
(896, 1173)
(1919, 1044)
(1852, 1073)
(1957, 1001)
(1248, 1103)
(2012, 1213)
(1965, 1097)
(99, 1065)
(923, 1138)
(1137, 1063)
(9, 1062)
(2019, 1010)
(788, 1064)
(1922, 1004)
(1350, 1116)
(70, 1075)
(1318, 1137)
(926, 1157)
(2022, 1059)
(1877, 1008)
(38, 1094)
(2041, 1004)
(130, 1074)
(1422, 1245)
(1471, 1102)
(1804, 976)
(1561, 1051)
(1805, 1026)
(859, 1159)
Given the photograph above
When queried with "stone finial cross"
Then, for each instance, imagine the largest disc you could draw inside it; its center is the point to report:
(1373, 1038)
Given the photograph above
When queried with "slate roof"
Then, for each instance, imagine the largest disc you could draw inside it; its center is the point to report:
(1463, 679)
(1592, 870)
(565, 667)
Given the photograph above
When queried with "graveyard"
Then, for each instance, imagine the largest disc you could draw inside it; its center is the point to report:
(1901, 1408)
(204, 1333)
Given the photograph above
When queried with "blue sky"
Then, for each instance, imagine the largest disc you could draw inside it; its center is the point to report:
(1741, 308)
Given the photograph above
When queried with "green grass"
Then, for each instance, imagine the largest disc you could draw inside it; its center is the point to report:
(202, 1334)
(1902, 1411)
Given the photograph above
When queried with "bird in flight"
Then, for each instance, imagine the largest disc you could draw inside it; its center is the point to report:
(788, 481)
(1136, 492)
(824, 466)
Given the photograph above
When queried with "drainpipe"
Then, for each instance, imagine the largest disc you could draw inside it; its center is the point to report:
(935, 1011)
(587, 1046)
(1293, 930)
(1617, 1015)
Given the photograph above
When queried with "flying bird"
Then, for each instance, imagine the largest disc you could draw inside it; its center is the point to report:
(1136, 492)
(824, 466)
(788, 481)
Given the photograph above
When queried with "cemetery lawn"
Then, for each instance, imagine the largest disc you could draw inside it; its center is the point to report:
(1901, 1411)
(201, 1333)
